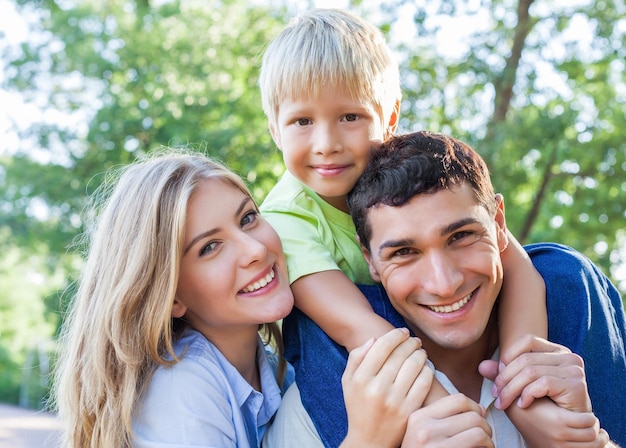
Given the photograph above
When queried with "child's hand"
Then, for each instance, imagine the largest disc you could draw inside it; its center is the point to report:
(534, 368)
(384, 382)
(544, 424)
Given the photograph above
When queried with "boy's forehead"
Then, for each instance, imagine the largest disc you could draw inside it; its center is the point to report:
(314, 91)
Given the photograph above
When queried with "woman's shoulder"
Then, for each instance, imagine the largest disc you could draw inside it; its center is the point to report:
(198, 362)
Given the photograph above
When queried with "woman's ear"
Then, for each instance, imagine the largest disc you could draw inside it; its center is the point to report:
(178, 308)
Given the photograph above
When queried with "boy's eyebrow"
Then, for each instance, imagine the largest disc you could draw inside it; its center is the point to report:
(243, 204)
(446, 230)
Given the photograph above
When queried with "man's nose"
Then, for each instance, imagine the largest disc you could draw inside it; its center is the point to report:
(441, 275)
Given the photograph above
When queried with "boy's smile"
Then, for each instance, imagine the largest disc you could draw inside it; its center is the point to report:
(326, 141)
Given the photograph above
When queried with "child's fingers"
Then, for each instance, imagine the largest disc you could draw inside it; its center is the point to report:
(568, 392)
(558, 375)
(528, 344)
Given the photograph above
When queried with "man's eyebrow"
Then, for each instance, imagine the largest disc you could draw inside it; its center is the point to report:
(243, 205)
(395, 243)
(454, 226)
(446, 230)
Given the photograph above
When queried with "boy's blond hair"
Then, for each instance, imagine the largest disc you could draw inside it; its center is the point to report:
(328, 48)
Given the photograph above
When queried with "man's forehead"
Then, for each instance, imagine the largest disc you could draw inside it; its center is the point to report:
(439, 212)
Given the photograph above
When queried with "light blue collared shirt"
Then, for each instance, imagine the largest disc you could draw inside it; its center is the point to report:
(203, 401)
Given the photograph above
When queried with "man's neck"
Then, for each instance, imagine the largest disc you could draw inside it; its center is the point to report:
(461, 365)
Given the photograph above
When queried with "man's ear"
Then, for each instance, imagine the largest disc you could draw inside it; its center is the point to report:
(275, 136)
(503, 237)
(368, 258)
(178, 308)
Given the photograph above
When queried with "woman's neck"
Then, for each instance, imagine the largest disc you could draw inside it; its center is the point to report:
(240, 349)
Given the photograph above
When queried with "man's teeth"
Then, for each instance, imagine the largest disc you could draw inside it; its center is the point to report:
(260, 283)
(450, 308)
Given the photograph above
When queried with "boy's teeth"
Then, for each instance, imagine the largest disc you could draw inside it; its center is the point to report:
(260, 283)
(449, 308)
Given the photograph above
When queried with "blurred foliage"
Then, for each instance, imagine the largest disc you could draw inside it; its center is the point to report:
(537, 87)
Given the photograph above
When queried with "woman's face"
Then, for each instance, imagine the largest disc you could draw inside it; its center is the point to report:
(233, 273)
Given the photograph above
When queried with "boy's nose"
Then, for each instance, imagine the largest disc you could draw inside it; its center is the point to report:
(327, 141)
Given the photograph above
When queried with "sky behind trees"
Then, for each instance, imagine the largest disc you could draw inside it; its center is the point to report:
(538, 87)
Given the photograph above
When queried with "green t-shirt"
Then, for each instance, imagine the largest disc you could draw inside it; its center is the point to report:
(316, 236)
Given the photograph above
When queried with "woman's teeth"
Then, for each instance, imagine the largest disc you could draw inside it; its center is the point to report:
(449, 308)
(260, 283)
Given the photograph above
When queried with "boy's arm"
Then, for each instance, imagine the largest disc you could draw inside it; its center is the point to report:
(522, 299)
(337, 305)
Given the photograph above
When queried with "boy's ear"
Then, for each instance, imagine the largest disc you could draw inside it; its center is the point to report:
(394, 118)
(503, 237)
(275, 136)
(178, 308)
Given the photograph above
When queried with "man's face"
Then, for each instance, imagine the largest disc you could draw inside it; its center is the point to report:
(438, 257)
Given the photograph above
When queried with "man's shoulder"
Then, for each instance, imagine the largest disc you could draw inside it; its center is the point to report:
(555, 251)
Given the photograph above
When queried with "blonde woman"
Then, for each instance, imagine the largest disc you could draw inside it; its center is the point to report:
(161, 343)
(161, 346)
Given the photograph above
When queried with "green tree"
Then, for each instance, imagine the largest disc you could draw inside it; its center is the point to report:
(537, 86)
(539, 89)
(134, 77)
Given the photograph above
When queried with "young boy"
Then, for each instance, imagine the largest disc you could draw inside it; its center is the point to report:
(331, 92)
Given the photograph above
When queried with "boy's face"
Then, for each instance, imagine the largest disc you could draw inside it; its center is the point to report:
(326, 141)
(438, 257)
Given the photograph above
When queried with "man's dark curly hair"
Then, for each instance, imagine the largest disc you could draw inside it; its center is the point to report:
(417, 163)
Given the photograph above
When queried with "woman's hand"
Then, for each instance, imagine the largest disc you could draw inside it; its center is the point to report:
(384, 382)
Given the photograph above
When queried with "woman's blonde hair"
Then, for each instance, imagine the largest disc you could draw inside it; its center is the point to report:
(119, 327)
(329, 48)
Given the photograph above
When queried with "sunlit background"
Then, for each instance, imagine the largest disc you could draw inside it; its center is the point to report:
(86, 85)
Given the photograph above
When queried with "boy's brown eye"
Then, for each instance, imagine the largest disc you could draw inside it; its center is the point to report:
(303, 121)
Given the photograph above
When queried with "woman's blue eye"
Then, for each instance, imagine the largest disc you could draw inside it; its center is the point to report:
(208, 248)
(249, 217)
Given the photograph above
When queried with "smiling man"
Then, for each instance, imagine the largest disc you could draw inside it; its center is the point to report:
(432, 231)
(440, 260)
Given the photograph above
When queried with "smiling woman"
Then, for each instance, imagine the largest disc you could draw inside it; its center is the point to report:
(162, 344)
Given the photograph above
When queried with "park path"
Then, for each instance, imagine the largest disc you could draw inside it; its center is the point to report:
(26, 428)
